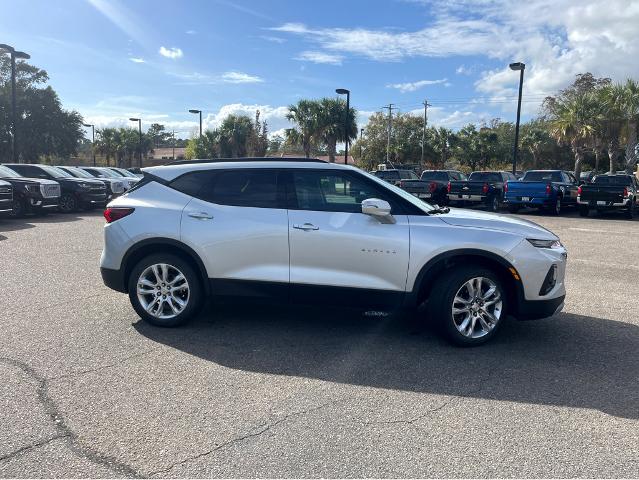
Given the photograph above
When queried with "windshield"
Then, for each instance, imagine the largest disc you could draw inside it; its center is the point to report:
(430, 176)
(78, 172)
(6, 172)
(123, 171)
(540, 176)
(56, 172)
(621, 180)
(425, 207)
(485, 177)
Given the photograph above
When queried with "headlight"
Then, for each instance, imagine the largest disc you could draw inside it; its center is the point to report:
(545, 243)
(32, 188)
(85, 185)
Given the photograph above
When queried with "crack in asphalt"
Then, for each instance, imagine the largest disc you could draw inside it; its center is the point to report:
(64, 430)
(265, 427)
(40, 443)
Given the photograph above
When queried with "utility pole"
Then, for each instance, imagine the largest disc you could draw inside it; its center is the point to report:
(173, 137)
(390, 129)
(426, 105)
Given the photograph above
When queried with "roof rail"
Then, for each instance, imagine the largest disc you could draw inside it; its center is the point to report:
(248, 159)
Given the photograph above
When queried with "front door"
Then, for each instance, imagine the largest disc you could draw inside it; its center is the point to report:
(339, 255)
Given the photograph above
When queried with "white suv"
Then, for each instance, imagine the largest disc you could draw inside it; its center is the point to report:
(308, 231)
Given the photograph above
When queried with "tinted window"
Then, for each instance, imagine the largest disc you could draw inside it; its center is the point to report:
(407, 175)
(243, 188)
(485, 177)
(29, 171)
(6, 172)
(613, 180)
(539, 176)
(194, 182)
(333, 191)
(430, 176)
(387, 174)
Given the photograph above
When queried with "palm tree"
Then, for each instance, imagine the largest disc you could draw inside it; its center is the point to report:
(574, 121)
(106, 142)
(304, 115)
(235, 132)
(535, 138)
(631, 115)
(611, 98)
(330, 124)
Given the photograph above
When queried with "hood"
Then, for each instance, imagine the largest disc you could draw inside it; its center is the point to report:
(91, 181)
(494, 221)
(40, 181)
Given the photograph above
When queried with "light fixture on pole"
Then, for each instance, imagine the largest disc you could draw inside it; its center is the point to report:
(343, 91)
(92, 139)
(521, 67)
(139, 120)
(19, 55)
(200, 112)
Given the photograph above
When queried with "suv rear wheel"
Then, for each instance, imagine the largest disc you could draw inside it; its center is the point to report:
(165, 290)
(468, 305)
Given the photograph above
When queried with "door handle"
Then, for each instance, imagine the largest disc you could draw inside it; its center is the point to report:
(305, 226)
(200, 215)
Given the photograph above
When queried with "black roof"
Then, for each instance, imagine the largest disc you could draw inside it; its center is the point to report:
(248, 159)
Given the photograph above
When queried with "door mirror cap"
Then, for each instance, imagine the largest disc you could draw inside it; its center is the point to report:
(380, 209)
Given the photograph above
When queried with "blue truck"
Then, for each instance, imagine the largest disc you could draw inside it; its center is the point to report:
(549, 190)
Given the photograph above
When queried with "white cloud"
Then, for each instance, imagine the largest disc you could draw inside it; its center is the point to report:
(191, 32)
(273, 39)
(136, 60)
(240, 77)
(320, 57)
(173, 53)
(412, 86)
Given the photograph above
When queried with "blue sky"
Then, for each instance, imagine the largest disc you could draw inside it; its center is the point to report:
(111, 59)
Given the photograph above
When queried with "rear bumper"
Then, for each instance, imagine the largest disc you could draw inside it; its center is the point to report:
(114, 279)
(536, 309)
(465, 198)
(533, 202)
(595, 204)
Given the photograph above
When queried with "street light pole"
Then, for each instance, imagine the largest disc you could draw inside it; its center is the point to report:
(343, 91)
(139, 120)
(92, 140)
(200, 112)
(521, 67)
(21, 55)
(361, 134)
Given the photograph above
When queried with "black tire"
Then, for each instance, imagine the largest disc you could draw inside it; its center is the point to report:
(441, 299)
(556, 208)
(493, 204)
(513, 208)
(584, 210)
(68, 203)
(18, 209)
(632, 209)
(194, 300)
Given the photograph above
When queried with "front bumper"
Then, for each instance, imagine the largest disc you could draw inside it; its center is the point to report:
(88, 198)
(536, 309)
(44, 202)
(6, 205)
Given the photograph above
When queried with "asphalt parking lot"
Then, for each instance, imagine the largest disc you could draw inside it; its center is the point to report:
(89, 390)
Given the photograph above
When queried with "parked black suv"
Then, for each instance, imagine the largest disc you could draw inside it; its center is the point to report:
(6, 198)
(76, 192)
(31, 195)
(114, 187)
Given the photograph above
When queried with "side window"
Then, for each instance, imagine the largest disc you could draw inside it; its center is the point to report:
(243, 188)
(333, 191)
(192, 183)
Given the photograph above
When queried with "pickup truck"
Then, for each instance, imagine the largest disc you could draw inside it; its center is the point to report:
(432, 185)
(609, 192)
(395, 175)
(481, 188)
(550, 190)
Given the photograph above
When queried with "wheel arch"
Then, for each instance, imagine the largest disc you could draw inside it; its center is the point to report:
(152, 246)
(430, 272)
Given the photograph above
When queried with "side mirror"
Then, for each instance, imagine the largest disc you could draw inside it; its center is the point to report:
(380, 209)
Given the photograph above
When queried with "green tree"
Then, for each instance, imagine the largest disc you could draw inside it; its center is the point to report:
(158, 135)
(304, 115)
(330, 114)
(44, 128)
(205, 146)
(234, 135)
(535, 139)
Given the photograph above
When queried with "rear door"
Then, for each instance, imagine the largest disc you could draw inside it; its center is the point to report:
(237, 222)
(338, 254)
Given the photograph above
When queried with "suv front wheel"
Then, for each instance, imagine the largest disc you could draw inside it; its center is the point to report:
(468, 305)
(165, 290)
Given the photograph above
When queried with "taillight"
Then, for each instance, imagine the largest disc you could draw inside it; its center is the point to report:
(625, 192)
(432, 187)
(448, 187)
(113, 214)
(548, 189)
(484, 189)
(401, 183)
(579, 191)
(505, 187)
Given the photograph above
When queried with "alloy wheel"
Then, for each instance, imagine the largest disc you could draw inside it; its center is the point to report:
(163, 291)
(477, 307)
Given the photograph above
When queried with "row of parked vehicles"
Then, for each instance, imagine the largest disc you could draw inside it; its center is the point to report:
(547, 190)
(40, 189)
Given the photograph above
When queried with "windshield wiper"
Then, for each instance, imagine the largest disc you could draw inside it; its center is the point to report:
(439, 210)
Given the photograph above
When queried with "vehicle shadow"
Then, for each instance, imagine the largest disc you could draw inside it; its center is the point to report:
(567, 360)
(12, 225)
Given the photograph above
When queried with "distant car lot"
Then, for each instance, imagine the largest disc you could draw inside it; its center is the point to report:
(91, 391)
